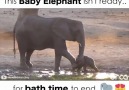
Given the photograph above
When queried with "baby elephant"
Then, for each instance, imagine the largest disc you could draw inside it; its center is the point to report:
(86, 62)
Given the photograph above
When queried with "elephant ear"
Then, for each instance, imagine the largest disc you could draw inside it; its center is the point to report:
(62, 30)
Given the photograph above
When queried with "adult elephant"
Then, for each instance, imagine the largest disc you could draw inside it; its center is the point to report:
(37, 33)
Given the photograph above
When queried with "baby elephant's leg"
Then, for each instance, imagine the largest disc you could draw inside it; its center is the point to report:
(91, 63)
(78, 70)
(84, 68)
(93, 66)
(96, 69)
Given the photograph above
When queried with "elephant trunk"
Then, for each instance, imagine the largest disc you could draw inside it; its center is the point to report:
(81, 49)
(81, 41)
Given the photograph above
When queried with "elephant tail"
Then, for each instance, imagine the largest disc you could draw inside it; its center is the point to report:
(14, 49)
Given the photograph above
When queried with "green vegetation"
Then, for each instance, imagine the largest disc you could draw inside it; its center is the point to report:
(70, 77)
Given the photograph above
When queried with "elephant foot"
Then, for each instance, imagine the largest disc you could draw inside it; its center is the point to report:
(96, 70)
(85, 72)
(29, 64)
(57, 70)
(24, 66)
(74, 66)
(78, 73)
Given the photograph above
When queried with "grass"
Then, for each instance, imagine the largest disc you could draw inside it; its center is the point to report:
(70, 77)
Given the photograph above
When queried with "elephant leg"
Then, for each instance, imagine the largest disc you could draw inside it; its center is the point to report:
(61, 48)
(95, 68)
(23, 64)
(22, 51)
(57, 61)
(84, 68)
(78, 70)
(69, 56)
(28, 55)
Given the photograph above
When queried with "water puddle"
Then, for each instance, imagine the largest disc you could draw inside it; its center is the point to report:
(46, 74)
(111, 76)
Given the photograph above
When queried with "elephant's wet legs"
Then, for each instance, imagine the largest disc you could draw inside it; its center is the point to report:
(66, 54)
(28, 55)
(22, 51)
(78, 70)
(70, 58)
(61, 50)
(57, 61)
(23, 64)
(84, 68)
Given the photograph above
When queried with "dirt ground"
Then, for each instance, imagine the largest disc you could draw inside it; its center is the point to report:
(106, 31)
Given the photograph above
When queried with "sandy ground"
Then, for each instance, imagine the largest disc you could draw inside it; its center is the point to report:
(107, 38)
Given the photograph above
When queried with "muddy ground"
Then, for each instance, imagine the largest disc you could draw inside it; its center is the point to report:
(107, 39)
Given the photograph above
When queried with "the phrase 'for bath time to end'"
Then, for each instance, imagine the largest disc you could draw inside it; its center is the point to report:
(67, 2)
(52, 87)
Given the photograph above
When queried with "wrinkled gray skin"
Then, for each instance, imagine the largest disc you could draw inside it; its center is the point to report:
(86, 62)
(38, 33)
